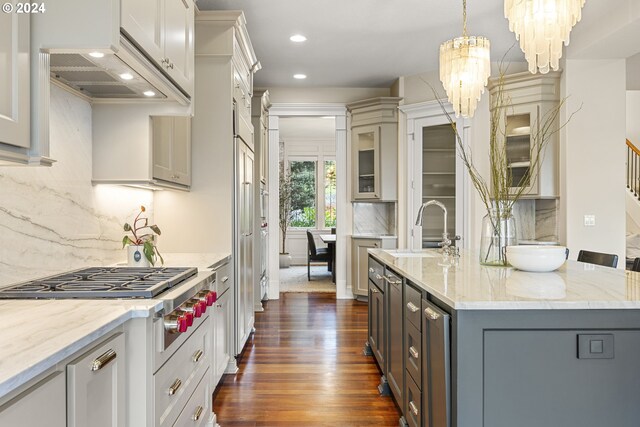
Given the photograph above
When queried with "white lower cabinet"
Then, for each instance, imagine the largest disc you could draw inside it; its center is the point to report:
(95, 386)
(176, 380)
(221, 336)
(41, 405)
(197, 411)
(360, 260)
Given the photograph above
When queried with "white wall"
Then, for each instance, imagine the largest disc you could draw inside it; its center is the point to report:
(593, 155)
(53, 219)
(633, 117)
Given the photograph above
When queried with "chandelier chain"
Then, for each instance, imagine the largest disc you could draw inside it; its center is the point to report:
(464, 18)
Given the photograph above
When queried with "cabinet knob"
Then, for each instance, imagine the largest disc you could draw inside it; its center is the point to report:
(371, 270)
(170, 65)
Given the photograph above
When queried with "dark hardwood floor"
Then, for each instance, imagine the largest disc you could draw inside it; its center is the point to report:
(304, 367)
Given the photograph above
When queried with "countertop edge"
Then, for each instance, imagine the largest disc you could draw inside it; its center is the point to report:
(49, 361)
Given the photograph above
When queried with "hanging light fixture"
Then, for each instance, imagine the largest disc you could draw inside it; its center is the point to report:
(465, 67)
(542, 26)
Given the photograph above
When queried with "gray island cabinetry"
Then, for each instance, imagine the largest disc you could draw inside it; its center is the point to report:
(464, 345)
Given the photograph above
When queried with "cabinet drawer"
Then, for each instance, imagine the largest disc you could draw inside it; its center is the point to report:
(413, 302)
(177, 378)
(413, 413)
(376, 270)
(197, 411)
(223, 278)
(393, 279)
(413, 353)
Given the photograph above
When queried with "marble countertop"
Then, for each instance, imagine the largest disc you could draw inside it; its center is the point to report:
(202, 261)
(37, 334)
(464, 284)
(373, 236)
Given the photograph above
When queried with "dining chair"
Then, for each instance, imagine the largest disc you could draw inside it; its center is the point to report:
(607, 260)
(636, 265)
(315, 254)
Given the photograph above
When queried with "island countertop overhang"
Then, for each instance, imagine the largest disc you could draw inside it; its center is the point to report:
(464, 284)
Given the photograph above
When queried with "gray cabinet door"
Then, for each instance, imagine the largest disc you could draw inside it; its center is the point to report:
(395, 358)
(376, 324)
(41, 405)
(536, 378)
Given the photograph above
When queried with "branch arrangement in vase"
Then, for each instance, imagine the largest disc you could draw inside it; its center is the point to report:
(143, 234)
(285, 191)
(498, 192)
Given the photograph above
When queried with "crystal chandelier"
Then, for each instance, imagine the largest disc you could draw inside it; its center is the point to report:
(542, 26)
(464, 69)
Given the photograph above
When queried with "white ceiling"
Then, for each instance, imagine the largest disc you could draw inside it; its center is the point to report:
(360, 43)
(370, 43)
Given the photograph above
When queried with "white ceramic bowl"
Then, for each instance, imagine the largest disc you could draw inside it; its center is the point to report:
(536, 258)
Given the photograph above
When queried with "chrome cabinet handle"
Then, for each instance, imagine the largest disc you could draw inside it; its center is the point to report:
(224, 279)
(196, 415)
(413, 408)
(414, 353)
(412, 307)
(431, 313)
(374, 291)
(392, 282)
(174, 387)
(371, 270)
(197, 355)
(378, 277)
(103, 360)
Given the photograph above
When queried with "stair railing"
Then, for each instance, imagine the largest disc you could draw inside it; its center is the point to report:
(633, 169)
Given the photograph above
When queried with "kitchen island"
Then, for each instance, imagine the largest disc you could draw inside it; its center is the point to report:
(465, 345)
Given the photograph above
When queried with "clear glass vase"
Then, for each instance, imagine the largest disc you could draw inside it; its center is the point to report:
(498, 232)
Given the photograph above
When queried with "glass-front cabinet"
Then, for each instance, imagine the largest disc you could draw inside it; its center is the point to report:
(438, 182)
(366, 141)
(531, 99)
(374, 154)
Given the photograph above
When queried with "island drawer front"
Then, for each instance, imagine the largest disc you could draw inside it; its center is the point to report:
(197, 411)
(376, 271)
(176, 380)
(413, 353)
(413, 412)
(413, 299)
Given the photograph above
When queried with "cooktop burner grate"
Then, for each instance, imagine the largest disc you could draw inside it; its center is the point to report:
(102, 282)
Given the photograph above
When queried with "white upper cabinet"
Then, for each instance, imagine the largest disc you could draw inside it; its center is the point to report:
(531, 99)
(374, 139)
(164, 30)
(14, 79)
(171, 138)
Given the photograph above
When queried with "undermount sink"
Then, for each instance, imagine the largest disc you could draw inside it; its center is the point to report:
(406, 253)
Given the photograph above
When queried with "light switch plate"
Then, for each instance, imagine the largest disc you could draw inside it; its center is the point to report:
(589, 220)
(595, 346)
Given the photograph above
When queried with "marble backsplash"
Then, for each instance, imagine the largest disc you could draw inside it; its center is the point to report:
(536, 219)
(53, 219)
(374, 218)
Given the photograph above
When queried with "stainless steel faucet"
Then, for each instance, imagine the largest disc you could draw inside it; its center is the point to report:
(446, 241)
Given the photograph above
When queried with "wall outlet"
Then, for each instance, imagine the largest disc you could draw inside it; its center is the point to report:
(589, 220)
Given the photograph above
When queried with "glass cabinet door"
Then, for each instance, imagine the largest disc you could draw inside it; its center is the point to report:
(438, 182)
(366, 143)
(518, 140)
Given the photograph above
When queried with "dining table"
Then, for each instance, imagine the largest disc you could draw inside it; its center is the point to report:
(330, 240)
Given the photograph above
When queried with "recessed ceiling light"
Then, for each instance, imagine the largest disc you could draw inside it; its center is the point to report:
(126, 76)
(149, 93)
(298, 38)
(299, 76)
(96, 54)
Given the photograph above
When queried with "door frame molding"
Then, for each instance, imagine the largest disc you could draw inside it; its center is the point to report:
(276, 111)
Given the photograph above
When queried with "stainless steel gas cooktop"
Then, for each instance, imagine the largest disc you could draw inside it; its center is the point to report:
(101, 282)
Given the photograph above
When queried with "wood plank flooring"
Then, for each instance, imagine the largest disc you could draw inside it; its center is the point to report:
(304, 367)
